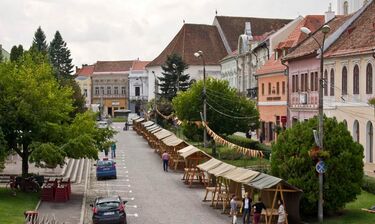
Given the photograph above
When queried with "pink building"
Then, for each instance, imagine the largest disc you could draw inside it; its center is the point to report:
(303, 76)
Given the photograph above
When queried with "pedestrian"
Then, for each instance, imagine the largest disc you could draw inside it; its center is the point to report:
(233, 209)
(281, 212)
(106, 152)
(165, 158)
(258, 207)
(113, 150)
(246, 208)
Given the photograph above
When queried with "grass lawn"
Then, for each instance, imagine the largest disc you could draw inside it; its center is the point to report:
(352, 214)
(13, 207)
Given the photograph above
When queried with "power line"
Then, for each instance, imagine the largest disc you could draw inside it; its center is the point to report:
(224, 108)
(234, 117)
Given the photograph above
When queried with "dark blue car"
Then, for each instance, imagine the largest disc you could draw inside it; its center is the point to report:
(108, 210)
(105, 168)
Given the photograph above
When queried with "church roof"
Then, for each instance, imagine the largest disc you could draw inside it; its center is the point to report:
(190, 39)
(113, 66)
(86, 70)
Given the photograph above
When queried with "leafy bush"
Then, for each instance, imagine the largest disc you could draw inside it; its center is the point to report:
(292, 162)
(249, 143)
(192, 132)
(369, 184)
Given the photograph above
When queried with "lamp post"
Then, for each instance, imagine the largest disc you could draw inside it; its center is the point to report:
(199, 54)
(155, 93)
(325, 30)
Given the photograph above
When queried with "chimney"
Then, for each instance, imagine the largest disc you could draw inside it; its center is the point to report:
(329, 15)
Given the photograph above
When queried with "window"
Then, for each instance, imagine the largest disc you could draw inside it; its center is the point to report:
(115, 91)
(262, 89)
(269, 88)
(137, 91)
(344, 82)
(283, 88)
(369, 79)
(102, 90)
(356, 80)
(297, 86)
(332, 83)
(316, 78)
(123, 90)
(96, 90)
(277, 88)
(303, 82)
(325, 83)
(293, 83)
(312, 82)
(109, 90)
(346, 8)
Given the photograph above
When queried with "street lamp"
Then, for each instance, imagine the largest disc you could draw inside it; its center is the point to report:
(155, 93)
(199, 54)
(178, 77)
(325, 30)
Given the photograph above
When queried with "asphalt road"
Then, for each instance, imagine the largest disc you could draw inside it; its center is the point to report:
(154, 196)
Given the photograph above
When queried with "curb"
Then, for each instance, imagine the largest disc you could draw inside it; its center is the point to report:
(83, 209)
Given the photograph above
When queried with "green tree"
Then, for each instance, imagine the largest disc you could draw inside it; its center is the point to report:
(16, 53)
(79, 101)
(34, 115)
(227, 112)
(294, 160)
(3, 150)
(59, 55)
(173, 77)
(1, 55)
(39, 42)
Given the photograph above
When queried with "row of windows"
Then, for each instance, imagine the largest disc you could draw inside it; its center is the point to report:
(304, 81)
(273, 90)
(101, 90)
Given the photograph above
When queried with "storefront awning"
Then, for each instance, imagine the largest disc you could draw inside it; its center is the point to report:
(209, 165)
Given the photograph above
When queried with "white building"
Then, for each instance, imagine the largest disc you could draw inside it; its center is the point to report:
(138, 86)
(345, 7)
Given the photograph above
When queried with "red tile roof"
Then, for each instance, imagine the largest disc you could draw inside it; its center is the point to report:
(139, 65)
(313, 22)
(271, 66)
(358, 38)
(86, 70)
(190, 39)
(113, 66)
(233, 27)
(308, 46)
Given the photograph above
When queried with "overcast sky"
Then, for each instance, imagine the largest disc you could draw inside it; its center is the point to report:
(129, 29)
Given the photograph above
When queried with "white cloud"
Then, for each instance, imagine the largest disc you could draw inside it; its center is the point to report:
(127, 29)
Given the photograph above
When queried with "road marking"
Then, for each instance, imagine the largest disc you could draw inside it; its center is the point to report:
(113, 185)
(131, 199)
(134, 215)
(131, 206)
(117, 191)
(124, 167)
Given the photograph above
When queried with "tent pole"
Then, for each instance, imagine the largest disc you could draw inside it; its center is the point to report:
(282, 198)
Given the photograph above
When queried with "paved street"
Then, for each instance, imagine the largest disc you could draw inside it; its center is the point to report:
(154, 196)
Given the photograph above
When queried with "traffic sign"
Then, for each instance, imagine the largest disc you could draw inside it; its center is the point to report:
(320, 167)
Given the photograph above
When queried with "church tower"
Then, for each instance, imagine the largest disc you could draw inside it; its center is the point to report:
(345, 7)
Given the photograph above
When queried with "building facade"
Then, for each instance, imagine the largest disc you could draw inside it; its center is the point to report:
(83, 78)
(346, 7)
(110, 81)
(138, 87)
(349, 71)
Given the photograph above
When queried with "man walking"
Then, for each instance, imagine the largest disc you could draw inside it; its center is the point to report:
(165, 158)
(113, 150)
(246, 209)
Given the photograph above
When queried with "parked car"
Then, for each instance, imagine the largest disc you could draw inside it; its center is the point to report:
(105, 168)
(108, 210)
(102, 124)
(130, 118)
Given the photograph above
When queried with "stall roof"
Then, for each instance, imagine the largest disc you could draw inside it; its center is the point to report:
(152, 127)
(191, 151)
(186, 149)
(221, 169)
(147, 123)
(265, 181)
(156, 130)
(139, 120)
(172, 140)
(135, 118)
(162, 134)
(241, 175)
(210, 164)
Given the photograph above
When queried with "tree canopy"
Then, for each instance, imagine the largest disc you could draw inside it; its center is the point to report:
(173, 78)
(294, 161)
(59, 55)
(35, 115)
(39, 42)
(227, 112)
(16, 53)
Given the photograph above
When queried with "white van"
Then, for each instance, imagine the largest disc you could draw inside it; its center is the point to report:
(130, 118)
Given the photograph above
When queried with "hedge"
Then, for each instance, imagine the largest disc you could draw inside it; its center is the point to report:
(249, 143)
(368, 184)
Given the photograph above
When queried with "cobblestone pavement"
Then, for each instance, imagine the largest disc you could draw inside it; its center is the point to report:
(154, 196)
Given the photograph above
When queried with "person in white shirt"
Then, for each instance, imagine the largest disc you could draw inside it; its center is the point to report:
(246, 209)
(281, 212)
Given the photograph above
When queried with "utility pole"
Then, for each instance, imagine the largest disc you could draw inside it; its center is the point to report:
(155, 93)
(199, 54)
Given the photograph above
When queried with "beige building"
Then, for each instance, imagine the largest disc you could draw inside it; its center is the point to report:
(83, 78)
(110, 85)
(350, 82)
